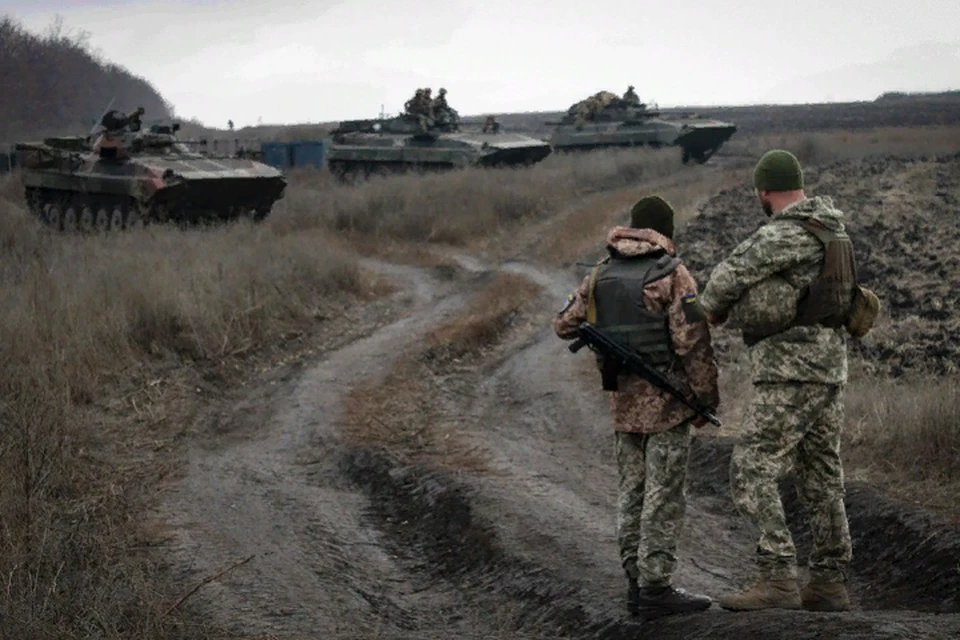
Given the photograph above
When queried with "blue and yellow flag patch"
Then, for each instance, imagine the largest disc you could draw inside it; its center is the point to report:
(568, 303)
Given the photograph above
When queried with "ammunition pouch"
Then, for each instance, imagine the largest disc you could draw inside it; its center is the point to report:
(866, 308)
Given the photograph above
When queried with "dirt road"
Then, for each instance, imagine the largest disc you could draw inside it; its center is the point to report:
(348, 541)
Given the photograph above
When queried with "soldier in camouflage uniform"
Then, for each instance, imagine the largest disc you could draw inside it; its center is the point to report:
(796, 415)
(642, 283)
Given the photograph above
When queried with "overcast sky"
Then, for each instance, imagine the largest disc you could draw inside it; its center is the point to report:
(320, 60)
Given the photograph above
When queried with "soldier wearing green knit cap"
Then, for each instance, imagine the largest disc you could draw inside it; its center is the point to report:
(644, 295)
(797, 339)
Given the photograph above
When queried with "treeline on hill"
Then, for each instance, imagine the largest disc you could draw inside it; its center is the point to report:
(54, 84)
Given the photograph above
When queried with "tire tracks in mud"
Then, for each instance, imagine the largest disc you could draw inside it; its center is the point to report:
(278, 494)
(541, 529)
(354, 543)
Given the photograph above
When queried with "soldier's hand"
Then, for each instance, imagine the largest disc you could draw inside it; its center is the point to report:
(699, 422)
(716, 320)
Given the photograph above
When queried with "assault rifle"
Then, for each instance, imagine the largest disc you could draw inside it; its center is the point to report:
(598, 341)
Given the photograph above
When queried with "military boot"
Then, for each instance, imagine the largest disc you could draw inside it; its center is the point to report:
(654, 602)
(825, 596)
(765, 594)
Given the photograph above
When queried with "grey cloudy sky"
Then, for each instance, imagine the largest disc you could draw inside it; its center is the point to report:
(319, 60)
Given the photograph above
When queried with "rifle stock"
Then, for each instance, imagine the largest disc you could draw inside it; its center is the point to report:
(597, 340)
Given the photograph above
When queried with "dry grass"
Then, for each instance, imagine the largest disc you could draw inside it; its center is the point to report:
(92, 321)
(905, 435)
(585, 225)
(456, 207)
(828, 146)
(487, 317)
(406, 414)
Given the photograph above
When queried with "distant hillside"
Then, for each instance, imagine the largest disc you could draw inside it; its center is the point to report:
(54, 85)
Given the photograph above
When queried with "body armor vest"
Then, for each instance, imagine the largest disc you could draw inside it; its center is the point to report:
(616, 306)
(828, 300)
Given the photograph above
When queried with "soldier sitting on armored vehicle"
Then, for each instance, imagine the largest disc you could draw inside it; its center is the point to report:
(631, 97)
(444, 116)
(421, 108)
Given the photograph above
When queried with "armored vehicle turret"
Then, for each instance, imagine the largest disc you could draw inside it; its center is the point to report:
(124, 175)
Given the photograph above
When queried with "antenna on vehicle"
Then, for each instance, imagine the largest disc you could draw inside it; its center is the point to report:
(383, 114)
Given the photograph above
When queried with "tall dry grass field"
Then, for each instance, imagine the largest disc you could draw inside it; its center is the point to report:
(828, 146)
(455, 207)
(90, 319)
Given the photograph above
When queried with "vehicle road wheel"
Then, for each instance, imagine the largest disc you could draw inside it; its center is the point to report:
(54, 217)
(116, 219)
(86, 221)
(70, 220)
(133, 219)
(102, 220)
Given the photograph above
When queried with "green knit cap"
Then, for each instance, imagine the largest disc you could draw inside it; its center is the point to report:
(778, 170)
(653, 212)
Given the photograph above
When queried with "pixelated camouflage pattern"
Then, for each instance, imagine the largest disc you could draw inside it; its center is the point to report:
(638, 406)
(765, 308)
(651, 502)
(794, 425)
(799, 354)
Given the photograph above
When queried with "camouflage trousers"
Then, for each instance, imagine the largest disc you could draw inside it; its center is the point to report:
(652, 501)
(799, 425)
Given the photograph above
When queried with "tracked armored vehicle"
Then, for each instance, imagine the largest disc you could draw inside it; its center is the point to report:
(411, 142)
(123, 176)
(604, 120)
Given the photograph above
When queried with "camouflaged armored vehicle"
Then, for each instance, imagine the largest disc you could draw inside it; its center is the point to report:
(604, 120)
(411, 142)
(123, 176)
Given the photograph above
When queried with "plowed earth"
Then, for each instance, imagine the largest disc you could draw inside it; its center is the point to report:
(350, 541)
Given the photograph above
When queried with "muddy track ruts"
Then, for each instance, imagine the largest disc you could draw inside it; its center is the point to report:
(353, 543)
(542, 529)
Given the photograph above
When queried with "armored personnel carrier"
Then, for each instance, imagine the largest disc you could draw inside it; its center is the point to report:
(605, 120)
(414, 142)
(123, 176)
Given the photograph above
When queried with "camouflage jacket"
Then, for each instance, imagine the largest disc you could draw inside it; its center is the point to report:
(799, 354)
(638, 406)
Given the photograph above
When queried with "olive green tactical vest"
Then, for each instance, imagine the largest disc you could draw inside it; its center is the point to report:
(828, 300)
(615, 304)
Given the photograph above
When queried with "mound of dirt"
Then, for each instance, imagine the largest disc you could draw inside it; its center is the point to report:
(903, 217)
